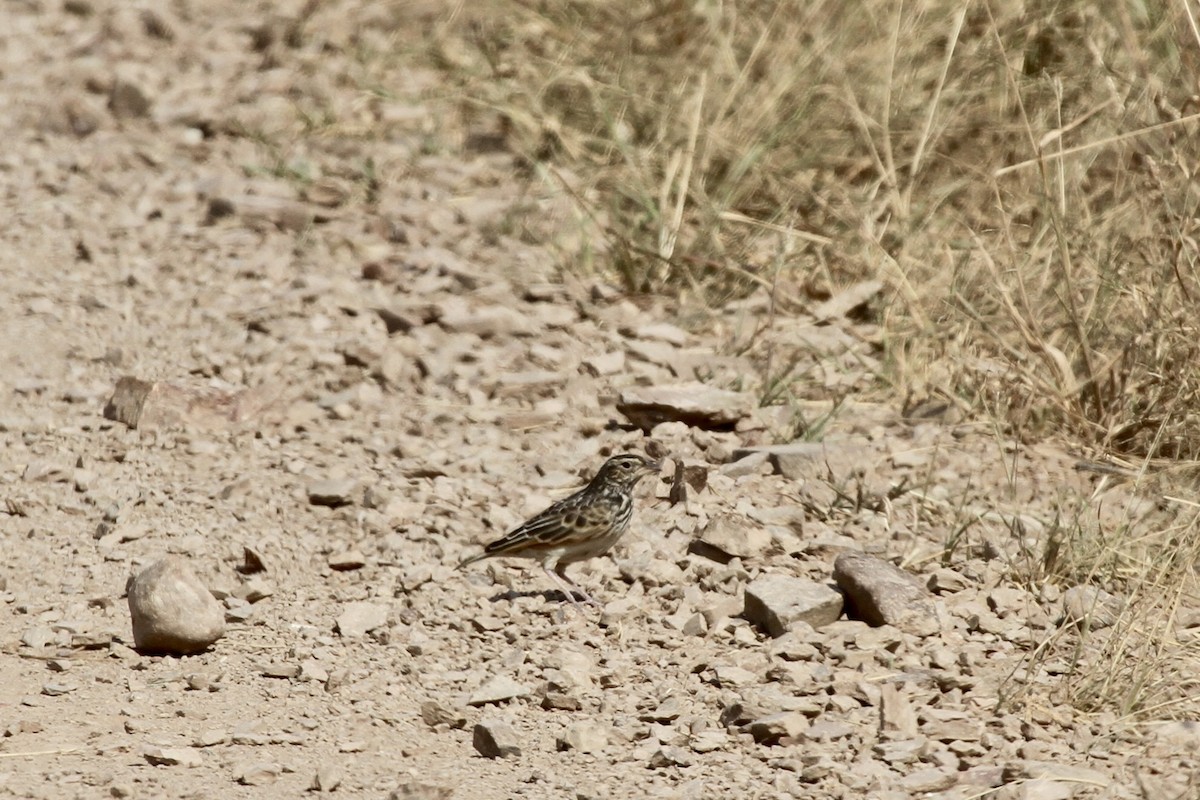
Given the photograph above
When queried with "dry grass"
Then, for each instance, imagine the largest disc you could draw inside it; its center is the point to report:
(1022, 177)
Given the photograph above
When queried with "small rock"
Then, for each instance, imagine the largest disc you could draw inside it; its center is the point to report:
(729, 536)
(349, 560)
(361, 617)
(849, 302)
(585, 737)
(670, 756)
(1054, 771)
(211, 737)
(38, 637)
(747, 465)
(897, 717)
(837, 461)
(420, 790)
(826, 730)
(662, 332)
(1009, 600)
(495, 738)
(172, 611)
(252, 561)
(156, 404)
(173, 756)
(775, 727)
(486, 322)
(605, 364)
(904, 751)
(1045, 789)
(693, 404)
(775, 602)
(254, 590)
(1091, 606)
(708, 741)
(259, 773)
(497, 690)
(274, 670)
(925, 781)
(947, 581)
(54, 689)
(880, 593)
(434, 714)
(46, 471)
(327, 778)
(334, 492)
(128, 100)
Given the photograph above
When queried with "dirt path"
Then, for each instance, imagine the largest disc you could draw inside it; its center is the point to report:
(191, 199)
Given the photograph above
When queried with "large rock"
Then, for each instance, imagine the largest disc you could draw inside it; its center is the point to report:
(776, 602)
(880, 593)
(171, 610)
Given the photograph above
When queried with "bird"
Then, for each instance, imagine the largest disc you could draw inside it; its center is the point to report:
(582, 526)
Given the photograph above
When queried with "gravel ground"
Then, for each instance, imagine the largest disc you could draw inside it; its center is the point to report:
(366, 366)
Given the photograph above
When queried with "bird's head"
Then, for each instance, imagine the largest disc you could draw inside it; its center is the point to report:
(625, 470)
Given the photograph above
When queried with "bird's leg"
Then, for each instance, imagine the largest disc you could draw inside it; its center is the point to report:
(562, 573)
(563, 586)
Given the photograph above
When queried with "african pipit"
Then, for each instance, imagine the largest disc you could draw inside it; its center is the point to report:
(585, 525)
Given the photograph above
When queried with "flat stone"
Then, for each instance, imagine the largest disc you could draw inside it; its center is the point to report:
(1055, 771)
(825, 730)
(708, 741)
(156, 404)
(897, 717)
(360, 617)
(604, 364)
(495, 738)
(744, 465)
(173, 756)
(420, 790)
(38, 637)
(662, 332)
(671, 756)
(584, 737)
(924, 781)
(327, 778)
(776, 602)
(880, 593)
(258, 773)
(729, 536)
(171, 610)
(278, 670)
(774, 727)
(1091, 606)
(346, 561)
(496, 690)
(694, 404)
(434, 714)
(332, 492)
(835, 460)
(953, 730)
(485, 322)
(47, 471)
(947, 581)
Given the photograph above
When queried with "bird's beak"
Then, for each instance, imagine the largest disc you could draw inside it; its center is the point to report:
(652, 467)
